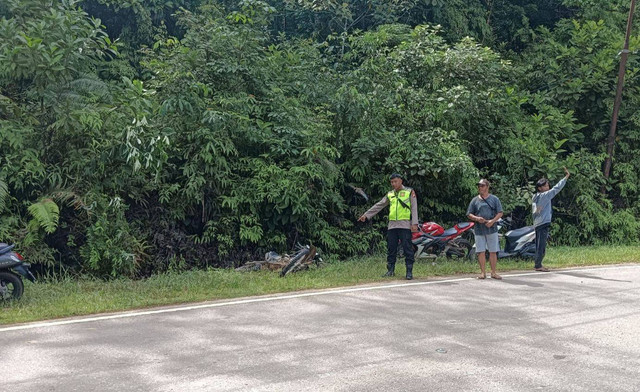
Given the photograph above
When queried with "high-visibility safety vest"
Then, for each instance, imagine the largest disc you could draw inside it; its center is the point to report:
(396, 210)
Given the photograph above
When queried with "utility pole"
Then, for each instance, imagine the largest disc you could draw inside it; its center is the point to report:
(616, 106)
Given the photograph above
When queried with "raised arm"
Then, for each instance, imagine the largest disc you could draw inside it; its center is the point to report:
(551, 193)
(374, 210)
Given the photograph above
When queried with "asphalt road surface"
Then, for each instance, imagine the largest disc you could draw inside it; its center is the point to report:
(569, 330)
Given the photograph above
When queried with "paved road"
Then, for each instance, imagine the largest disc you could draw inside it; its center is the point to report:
(572, 330)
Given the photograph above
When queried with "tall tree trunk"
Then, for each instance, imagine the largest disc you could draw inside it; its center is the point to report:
(616, 106)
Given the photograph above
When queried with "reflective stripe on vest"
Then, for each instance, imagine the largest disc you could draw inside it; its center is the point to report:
(396, 210)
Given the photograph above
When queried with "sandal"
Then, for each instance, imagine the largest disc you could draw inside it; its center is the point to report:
(542, 269)
(483, 276)
(496, 276)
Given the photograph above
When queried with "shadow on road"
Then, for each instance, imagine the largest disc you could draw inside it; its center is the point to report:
(587, 276)
(516, 282)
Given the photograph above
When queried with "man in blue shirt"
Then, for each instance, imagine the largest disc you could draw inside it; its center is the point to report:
(485, 209)
(541, 209)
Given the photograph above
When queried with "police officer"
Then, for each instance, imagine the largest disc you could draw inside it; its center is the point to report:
(403, 219)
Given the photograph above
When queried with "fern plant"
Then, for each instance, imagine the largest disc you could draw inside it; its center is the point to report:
(45, 215)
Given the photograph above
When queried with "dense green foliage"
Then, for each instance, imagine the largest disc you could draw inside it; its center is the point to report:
(139, 136)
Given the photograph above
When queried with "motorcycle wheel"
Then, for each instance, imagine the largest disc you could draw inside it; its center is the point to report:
(295, 260)
(459, 249)
(11, 286)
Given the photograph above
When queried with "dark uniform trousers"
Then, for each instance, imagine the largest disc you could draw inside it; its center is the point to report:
(393, 237)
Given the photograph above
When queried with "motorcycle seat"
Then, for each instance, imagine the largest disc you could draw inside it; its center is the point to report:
(520, 232)
(464, 225)
(4, 248)
(449, 232)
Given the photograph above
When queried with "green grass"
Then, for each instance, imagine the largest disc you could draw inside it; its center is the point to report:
(68, 297)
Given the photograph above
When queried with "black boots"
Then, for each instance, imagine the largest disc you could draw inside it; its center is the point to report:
(390, 270)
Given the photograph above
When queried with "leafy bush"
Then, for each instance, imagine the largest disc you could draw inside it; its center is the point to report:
(207, 133)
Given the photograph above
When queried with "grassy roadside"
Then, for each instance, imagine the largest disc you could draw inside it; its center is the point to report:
(73, 298)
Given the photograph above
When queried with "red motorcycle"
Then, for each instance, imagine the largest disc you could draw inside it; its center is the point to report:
(432, 240)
